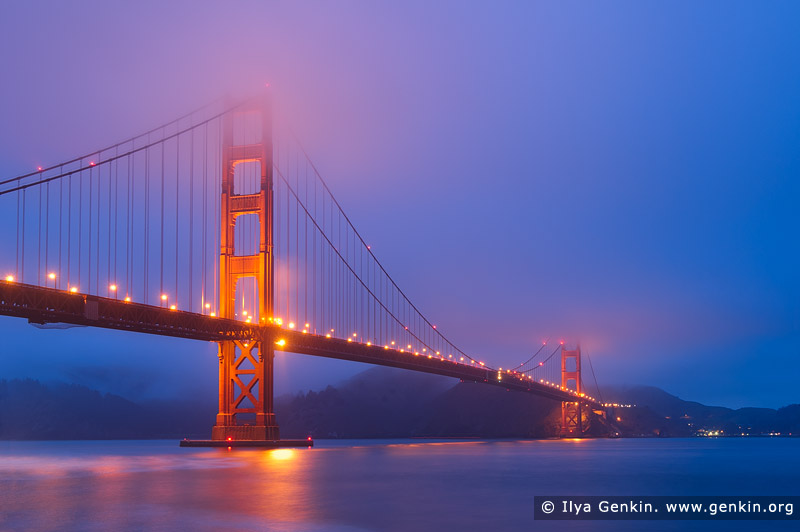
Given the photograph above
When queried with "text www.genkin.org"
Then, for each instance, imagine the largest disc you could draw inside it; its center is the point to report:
(665, 508)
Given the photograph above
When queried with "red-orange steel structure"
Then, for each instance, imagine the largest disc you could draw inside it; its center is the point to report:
(49, 305)
(246, 367)
(112, 237)
(571, 422)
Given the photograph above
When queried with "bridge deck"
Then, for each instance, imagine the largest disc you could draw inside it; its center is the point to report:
(48, 305)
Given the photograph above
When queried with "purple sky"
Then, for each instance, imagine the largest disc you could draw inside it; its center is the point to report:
(621, 174)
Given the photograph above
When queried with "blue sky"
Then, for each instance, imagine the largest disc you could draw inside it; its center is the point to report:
(623, 174)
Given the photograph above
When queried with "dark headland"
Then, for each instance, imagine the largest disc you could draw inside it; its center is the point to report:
(378, 403)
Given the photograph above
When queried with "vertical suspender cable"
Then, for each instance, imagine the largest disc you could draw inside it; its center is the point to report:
(97, 242)
(116, 212)
(129, 230)
(47, 232)
(69, 231)
(177, 210)
(80, 227)
(161, 256)
(288, 258)
(204, 221)
(296, 244)
(91, 199)
(39, 242)
(146, 255)
(305, 246)
(108, 230)
(191, 218)
(60, 220)
(16, 248)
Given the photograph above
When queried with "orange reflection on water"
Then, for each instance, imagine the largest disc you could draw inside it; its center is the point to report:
(281, 454)
(278, 484)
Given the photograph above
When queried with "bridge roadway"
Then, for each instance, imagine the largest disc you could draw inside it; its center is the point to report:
(50, 305)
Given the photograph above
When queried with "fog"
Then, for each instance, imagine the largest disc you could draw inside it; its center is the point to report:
(623, 176)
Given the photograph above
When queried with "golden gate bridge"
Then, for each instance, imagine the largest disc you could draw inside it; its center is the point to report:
(217, 226)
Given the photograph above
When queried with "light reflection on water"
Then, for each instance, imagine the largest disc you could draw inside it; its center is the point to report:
(372, 485)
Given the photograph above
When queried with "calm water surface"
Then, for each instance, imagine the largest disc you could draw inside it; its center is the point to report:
(375, 485)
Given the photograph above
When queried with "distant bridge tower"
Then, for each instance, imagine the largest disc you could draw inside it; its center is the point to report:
(246, 368)
(571, 422)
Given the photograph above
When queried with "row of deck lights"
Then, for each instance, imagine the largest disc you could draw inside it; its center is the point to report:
(277, 321)
(523, 377)
(291, 325)
(354, 338)
(112, 288)
(248, 319)
(392, 345)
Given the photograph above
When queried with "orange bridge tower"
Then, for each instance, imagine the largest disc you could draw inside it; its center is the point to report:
(571, 422)
(246, 368)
